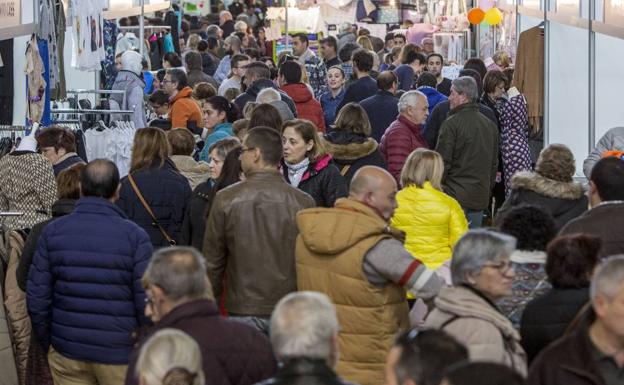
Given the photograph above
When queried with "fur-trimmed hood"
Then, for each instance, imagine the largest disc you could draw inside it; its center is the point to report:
(350, 151)
(547, 187)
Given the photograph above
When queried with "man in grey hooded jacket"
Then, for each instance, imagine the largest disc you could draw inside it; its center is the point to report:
(130, 80)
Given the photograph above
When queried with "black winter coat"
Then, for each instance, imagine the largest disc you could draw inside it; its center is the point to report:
(382, 109)
(351, 152)
(563, 200)
(196, 215)
(166, 191)
(59, 208)
(232, 352)
(322, 181)
(546, 318)
(305, 371)
(440, 113)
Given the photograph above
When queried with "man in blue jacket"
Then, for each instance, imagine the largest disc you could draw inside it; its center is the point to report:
(84, 291)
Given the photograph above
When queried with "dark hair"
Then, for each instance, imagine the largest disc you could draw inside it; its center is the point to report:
(160, 74)
(475, 75)
(159, 97)
(193, 60)
(178, 76)
(221, 104)
(346, 52)
(237, 58)
(303, 37)
(268, 141)
(483, 373)
(258, 70)
(266, 115)
(252, 53)
(425, 356)
(426, 79)
(100, 178)
(68, 182)
(532, 226)
(291, 70)
(330, 41)
(173, 59)
(434, 55)
(363, 60)
(202, 45)
(402, 36)
(386, 79)
(58, 138)
(492, 79)
(213, 42)
(389, 36)
(181, 141)
(265, 59)
(509, 74)
(571, 260)
(413, 56)
(476, 64)
(240, 36)
(608, 177)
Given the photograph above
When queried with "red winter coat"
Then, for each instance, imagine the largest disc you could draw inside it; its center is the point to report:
(399, 140)
(307, 107)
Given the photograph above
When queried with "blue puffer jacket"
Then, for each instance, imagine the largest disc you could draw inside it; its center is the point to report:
(84, 290)
(166, 191)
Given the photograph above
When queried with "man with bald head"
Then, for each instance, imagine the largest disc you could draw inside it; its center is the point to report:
(84, 292)
(404, 134)
(350, 253)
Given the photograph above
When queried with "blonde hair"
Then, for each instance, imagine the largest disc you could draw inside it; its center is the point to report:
(193, 41)
(170, 357)
(150, 148)
(308, 132)
(422, 166)
(365, 42)
(503, 57)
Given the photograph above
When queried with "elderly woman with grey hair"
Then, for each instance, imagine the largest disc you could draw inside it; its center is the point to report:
(170, 357)
(482, 274)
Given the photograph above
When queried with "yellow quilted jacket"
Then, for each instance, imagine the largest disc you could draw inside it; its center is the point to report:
(432, 221)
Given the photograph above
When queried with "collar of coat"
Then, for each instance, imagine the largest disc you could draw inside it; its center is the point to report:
(466, 302)
(545, 186)
(196, 308)
(464, 107)
(350, 151)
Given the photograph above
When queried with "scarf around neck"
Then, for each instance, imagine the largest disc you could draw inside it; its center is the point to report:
(296, 171)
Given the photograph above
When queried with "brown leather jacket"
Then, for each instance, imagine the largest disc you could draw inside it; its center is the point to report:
(250, 238)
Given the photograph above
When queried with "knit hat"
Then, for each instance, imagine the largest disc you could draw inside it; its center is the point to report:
(132, 61)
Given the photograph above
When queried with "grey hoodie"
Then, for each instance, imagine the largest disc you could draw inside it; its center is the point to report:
(133, 85)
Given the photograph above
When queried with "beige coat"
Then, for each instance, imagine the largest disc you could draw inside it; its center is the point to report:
(8, 371)
(195, 172)
(15, 303)
(488, 334)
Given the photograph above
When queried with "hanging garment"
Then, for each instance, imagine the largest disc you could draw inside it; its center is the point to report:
(44, 52)
(172, 20)
(6, 79)
(86, 18)
(168, 44)
(47, 32)
(131, 41)
(59, 90)
(108, 64)
(529, 73)
(36, 84)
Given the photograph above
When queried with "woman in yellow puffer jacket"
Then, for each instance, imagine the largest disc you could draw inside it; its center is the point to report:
(432, 221)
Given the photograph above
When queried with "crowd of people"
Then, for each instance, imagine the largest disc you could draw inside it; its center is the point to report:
(346, 216)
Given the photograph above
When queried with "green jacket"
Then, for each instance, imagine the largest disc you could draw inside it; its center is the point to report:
(468, 143)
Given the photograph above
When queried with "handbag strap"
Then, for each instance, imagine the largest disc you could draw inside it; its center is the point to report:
(345, 169)
(164, 233)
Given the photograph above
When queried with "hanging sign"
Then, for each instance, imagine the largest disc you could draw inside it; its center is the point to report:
(10, 13)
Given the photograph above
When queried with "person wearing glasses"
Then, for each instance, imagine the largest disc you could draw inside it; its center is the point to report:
(239, 62)
(482, 274)
(184, 112)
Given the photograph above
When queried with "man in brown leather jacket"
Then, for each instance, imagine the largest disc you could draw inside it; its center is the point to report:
(251, 232)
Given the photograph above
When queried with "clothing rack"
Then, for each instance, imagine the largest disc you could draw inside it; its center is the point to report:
(4, 127)
(148, 27)
(78, 111)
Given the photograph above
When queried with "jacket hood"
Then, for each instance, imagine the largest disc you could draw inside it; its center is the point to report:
(547, 187)
(259, 85)
(63, 207)
(186, 164)
(298, 92)
(185, 92)
(464, 302)
(348, 146)
(330, 231)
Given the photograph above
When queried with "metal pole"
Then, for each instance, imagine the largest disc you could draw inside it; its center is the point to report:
(545, 124)
(592, 76)
(287, 44)
(141, 27)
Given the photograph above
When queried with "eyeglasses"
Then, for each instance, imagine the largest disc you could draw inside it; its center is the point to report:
(149, 302)
(503, 266)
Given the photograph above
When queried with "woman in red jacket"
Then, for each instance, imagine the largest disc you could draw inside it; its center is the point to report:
(307, 107)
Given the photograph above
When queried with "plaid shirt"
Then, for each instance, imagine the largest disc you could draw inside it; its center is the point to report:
(316, 71)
